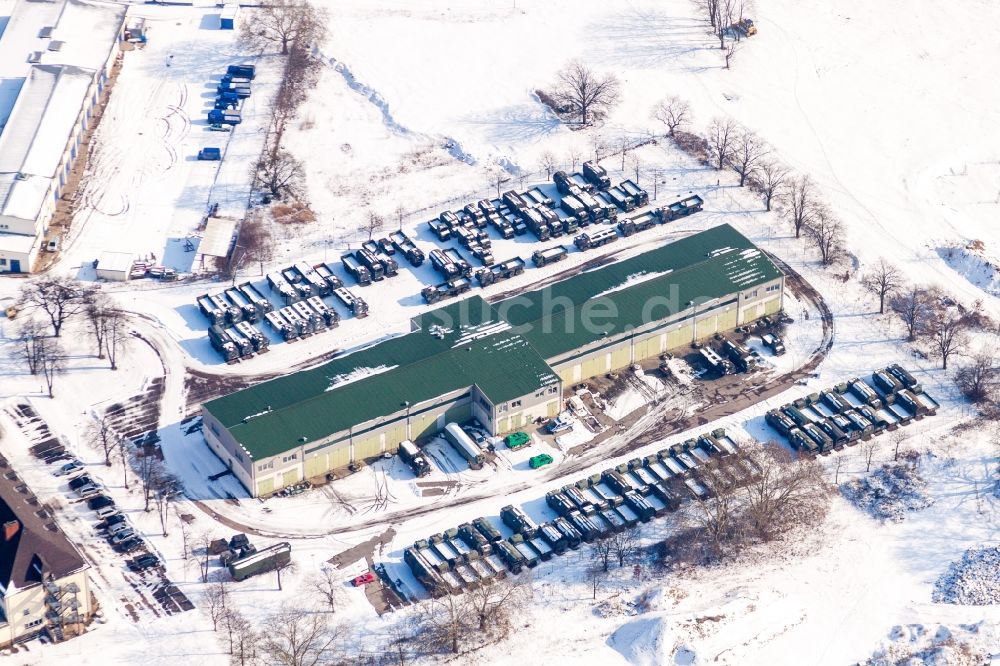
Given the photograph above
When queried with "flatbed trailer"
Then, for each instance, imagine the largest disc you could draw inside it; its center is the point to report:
(407, 248)
(448, 289)
(682, 208)
(549, 255)
(595, 238)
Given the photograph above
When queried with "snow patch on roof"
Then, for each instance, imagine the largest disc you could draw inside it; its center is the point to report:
(340, 380)
(634, 279)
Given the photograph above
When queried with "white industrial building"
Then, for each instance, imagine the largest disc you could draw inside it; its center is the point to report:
(55, 59)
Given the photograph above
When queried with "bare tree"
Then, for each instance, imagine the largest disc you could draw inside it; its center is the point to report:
(625, 544)
(748, 150)
(897, 440)
(123, 453)
(60, 298)
(601, 550)
(783, 492)
(715, 519)
(548, 163)
(498, 176)
(255, 242)
(116, 336)
(721, 135)
(838, 466)
(100, 432)
(373, 222)
(711, 9)
(636, 165)
(97, 309)
(216, 598)
(574, 156)
(868, 452)
(51, 361)
(770, 180)
(297, 637)
(585, 92)
(327, 587)
(400, 214)
(31, 340)
(204, 541)
(729, 50)
(495, 603)
(827, 233)
(673, 112)
(166, 487)
(913, 307)
(283, 23)
(977, 380)
(279, 172)
(445, 623)
(948, 333)
(599, 146)
(281, 566)
(802, 203)
(882, 281)
(243, 639)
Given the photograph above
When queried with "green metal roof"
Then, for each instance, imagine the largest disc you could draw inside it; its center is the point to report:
(630, 293)
(442, 356)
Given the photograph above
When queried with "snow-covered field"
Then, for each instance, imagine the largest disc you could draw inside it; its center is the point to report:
(890, 107)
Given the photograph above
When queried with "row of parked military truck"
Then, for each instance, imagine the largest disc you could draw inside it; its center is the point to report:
(592, 508)
(852, 411)
(299, 291)
(583, 199)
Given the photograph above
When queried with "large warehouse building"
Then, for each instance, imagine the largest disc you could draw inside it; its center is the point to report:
(503, 364)
(55, 59)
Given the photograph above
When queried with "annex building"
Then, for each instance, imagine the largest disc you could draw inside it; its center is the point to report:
(55, 59)
(503, 364)
(44, 587)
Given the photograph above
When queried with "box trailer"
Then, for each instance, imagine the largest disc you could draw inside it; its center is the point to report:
(540, 197)
(516, 519)
(329, 316)
(262, 561)
(443, 264)
(356, 269)
(357, 305)
(237, 299)
(211, 310)
(531, 556)
(464, 267)
(244, 344)
(307, 274)
(595, 238)
(222, 343)
(511, 556)
(303, 325)
(487, 529)
(904, 377)
(281, 326)
(314, 322)
(250, 332)
(303, 289)
(886, 382)
(413, 457)
(596, 175)
(280, 286)
(549, 255)
(638, 195)
(224, 117)
(368, 260)
(864, 392)
(473, 537)
(559, 503)
(464, 445)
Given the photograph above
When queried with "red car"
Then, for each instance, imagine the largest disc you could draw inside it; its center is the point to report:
(364, 579)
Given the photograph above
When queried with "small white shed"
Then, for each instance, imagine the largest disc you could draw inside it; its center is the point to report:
(114, 266)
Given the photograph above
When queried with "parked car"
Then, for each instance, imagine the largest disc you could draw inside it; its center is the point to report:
(122, 535)
(540, 460)
(69, 468)
(114, 520)
(118, 528)
(558, 425)
(87, 490)
(219, 127)
(143, 562)
(363, 579)
(100, 502)
(79, 482)
(107, 512)
(128, 546)
(52, 245)
(210, 154)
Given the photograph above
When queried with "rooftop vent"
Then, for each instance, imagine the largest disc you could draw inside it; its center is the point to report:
(55, 45)
(45, 33)
(35, 57)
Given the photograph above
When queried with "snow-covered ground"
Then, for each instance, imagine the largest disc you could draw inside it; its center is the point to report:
(889, 108)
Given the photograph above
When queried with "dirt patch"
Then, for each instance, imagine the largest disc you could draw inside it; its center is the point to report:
(364, 550)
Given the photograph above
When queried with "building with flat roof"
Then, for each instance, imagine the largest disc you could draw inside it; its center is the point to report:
(43, 578)
(503, 364)
(55, 57)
